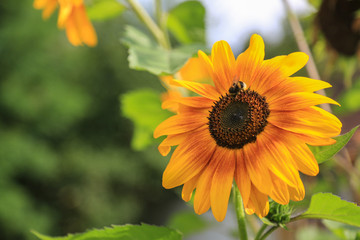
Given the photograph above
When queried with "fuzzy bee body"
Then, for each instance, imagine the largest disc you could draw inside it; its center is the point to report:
(236, 87)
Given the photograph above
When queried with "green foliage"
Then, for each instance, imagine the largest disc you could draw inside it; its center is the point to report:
(350, 99)
(102, 10)
(324, 153)
(343, 231)
(126, 232)
(331, 207)
(187, 222)
(187, 22)
(143, 107)
(145, 54)
(313, 233)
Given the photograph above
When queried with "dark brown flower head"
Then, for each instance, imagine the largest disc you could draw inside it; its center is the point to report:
(238, 117)
(337, 21)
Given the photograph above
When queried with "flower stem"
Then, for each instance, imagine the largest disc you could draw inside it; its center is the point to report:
(261, 230)
(268, 232)
(149, 23)
(240, 213)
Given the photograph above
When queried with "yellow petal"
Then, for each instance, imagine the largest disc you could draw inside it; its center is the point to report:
(221, 183)
(309, 121)
(304, 159)
(65, 12)
(294, 84)
(273, 71)
(223, 61)
(299, 100)
(280, 192)
(249, 62)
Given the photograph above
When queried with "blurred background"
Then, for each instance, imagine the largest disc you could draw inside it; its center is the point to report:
(66, 158)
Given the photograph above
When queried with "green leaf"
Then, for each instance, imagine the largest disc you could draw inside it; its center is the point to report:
(187, 222)
(343, 231)
(324, 153)
(145, 54)
(102, 10)
(331, 207)
(125, 232)
(143, 107)
(314, 233)
(187, 22)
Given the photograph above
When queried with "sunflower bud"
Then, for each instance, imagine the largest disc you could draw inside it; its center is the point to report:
(279, 214)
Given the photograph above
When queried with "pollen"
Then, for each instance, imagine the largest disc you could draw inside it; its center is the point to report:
(236, 120)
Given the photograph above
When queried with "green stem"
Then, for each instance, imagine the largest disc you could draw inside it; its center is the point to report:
(261, 230)
(149, 23)
(240, 213)
(268, 232)
(158, 11)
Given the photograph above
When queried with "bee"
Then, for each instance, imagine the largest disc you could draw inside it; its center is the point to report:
(236, 87)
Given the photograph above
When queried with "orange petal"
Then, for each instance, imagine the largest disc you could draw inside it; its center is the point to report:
(299, 100)
(256, 169)
(49, 9)
(189, 159)
(194, 70)
(189, 187)
(315, 141)
(195, 102)
(171, 140)
(242, 178)
(294, 84)
(258, 203)
(298, 193)
(204, 90)
(275, 155)
(84, 26)
(222, 183)
(304, 159)
(72, 32)
(274, 71)
(280, 192)
(249, 62)
(308, 121)
(203, 187)
(181, 123)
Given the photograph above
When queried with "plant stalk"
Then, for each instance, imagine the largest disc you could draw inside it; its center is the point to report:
(149, 23)
(240, 213)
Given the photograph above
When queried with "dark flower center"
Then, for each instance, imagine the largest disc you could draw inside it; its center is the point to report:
(237, 118)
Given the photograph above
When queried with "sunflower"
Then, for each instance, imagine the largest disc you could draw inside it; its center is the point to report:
(252, 125)
(72, 17)
(193, 70)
